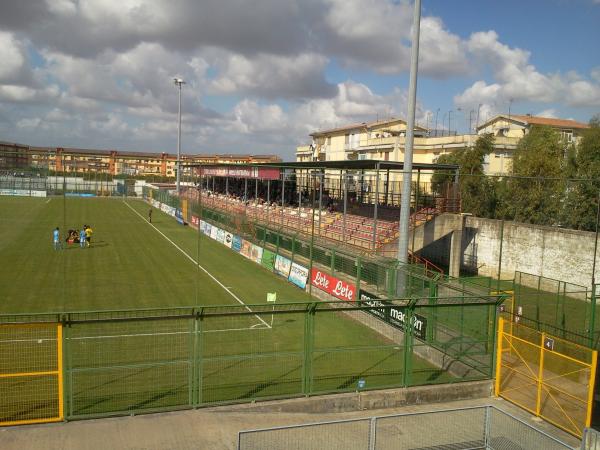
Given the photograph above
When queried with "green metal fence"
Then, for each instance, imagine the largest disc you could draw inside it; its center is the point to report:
(133, 361)
(374, 273)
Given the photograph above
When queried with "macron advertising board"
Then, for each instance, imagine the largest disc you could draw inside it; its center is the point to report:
(395, 316)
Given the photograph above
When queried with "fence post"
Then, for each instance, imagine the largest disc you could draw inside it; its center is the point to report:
(199, 354)
(192, 360)
(499, 356)
(358, 274)
(408, 343)
(372, 433)
(332, 261)
(487, 426)
(490, 339)
(309, 318)
(60, 359)
(590, 403)
(538, 406)
(67, 365)
(592, 326)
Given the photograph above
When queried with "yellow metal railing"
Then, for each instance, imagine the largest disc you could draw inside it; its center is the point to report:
(31, 374)
(545, 375)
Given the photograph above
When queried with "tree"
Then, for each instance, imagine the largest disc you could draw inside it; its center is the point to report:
(583, 198)
(536, 193)
(478, 193)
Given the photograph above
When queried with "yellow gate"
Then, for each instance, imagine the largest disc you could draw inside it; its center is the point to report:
(545, 375)
(31, 373)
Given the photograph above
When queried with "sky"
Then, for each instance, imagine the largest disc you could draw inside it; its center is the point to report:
(261, 75)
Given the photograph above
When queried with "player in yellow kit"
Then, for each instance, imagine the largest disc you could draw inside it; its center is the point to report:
(88, 235)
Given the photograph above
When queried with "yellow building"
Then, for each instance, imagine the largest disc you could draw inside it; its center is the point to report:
(385, 141)
(509, 129)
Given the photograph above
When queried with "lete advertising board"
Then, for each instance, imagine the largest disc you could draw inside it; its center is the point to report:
(333, 286)
(214, 231)
(395, 316)
(298, 275)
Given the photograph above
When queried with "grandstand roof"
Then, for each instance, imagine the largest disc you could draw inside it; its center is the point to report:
(365, 164)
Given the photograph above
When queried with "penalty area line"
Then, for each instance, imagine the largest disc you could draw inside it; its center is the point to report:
(256, 326)
(198, 264)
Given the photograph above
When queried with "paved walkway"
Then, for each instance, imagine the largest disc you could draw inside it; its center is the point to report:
(202, 429)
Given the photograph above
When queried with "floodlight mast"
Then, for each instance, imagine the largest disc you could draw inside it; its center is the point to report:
(408, 150)
(178, 82)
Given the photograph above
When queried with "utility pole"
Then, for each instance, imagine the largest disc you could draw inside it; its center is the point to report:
(408, 151)
(178, 82)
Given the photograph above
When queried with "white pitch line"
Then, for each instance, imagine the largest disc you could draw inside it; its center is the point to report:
(252, 328)
(196, 262)
(48, 201)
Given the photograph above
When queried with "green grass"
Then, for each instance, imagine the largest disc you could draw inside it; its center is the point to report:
(141, 365)
(554, 303)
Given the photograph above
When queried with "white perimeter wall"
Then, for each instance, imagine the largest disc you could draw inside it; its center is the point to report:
(562, 254)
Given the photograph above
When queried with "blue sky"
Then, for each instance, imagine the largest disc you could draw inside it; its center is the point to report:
(97, 73)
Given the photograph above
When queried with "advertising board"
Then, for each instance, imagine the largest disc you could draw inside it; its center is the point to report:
(333, 286)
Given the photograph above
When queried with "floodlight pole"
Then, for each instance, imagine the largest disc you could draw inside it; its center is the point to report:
(178, 82)
(408, 148)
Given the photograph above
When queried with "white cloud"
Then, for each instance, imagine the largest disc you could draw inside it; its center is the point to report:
(550, 113)
(377, 33)
(518, 80)
(273, 76)
(12, 55)
(66, 8)
(442, 53)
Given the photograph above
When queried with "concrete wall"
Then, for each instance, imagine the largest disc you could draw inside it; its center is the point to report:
(561, 254)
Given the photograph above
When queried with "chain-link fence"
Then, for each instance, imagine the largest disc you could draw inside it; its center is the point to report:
(483, 427)
(548, 376)
(121, 362)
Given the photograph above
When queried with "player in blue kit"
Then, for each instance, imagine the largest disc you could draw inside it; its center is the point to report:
(82, 238)
(56, 236)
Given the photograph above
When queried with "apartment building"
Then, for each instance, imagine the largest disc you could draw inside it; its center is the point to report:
(385, 140)
(509, 129)
(113, 162)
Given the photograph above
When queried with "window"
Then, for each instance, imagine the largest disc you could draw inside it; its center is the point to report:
(567, 135)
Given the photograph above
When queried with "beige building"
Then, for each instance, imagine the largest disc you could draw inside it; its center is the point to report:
(509, 129)
(113, 162)
(385, 140)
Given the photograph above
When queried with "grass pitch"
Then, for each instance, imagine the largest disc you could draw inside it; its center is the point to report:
(138, 366)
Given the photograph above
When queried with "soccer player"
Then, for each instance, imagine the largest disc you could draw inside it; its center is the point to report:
(88, 234)
(82, 238)
(56, 235)
(150, 215)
